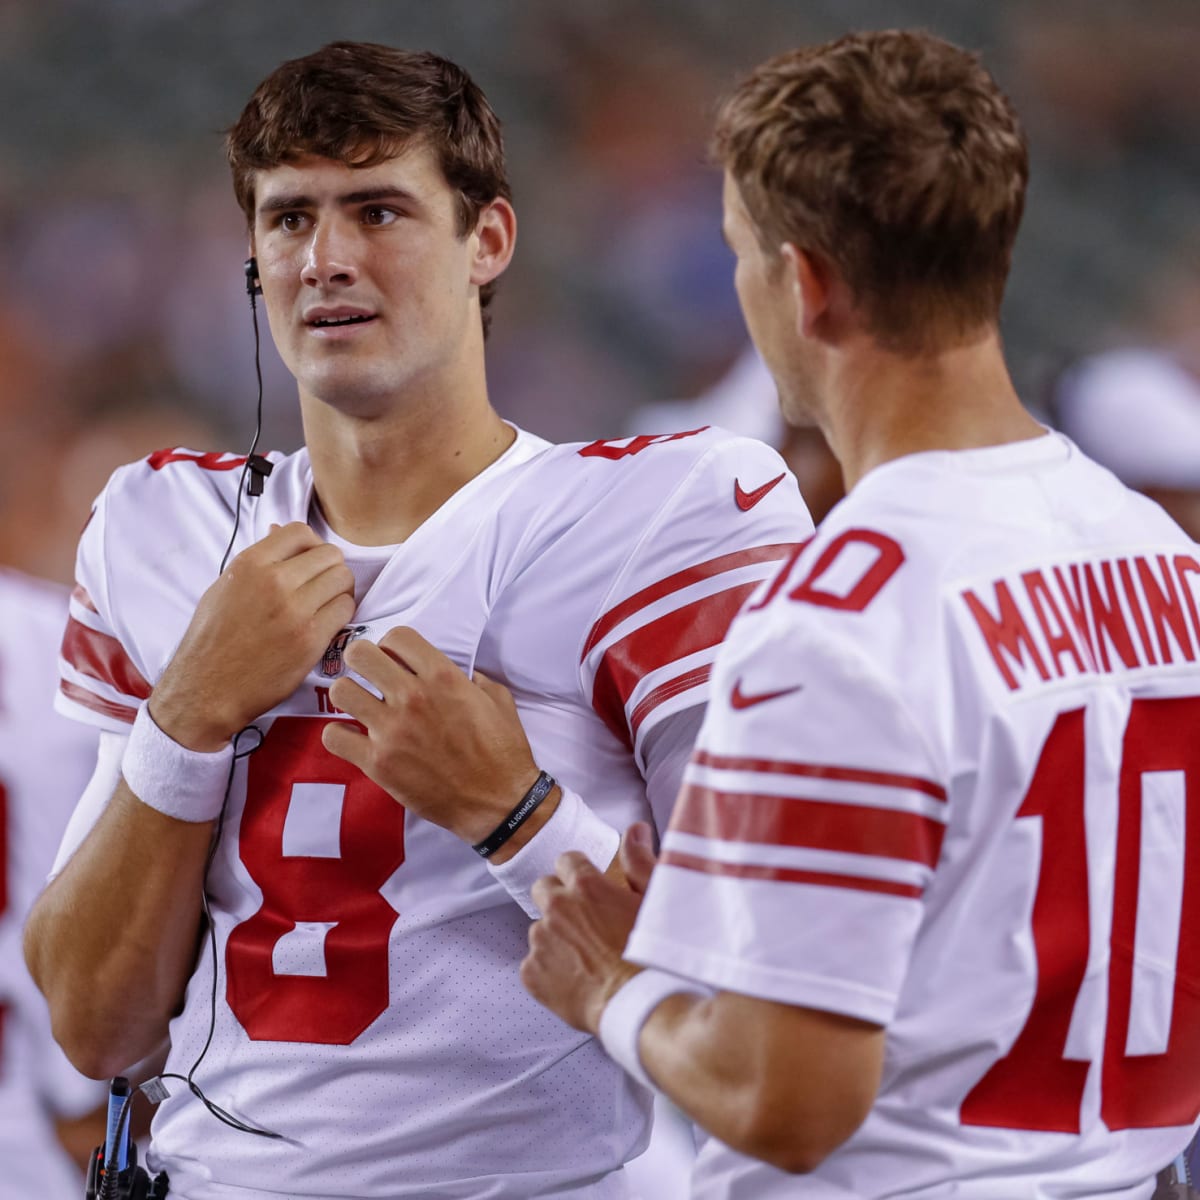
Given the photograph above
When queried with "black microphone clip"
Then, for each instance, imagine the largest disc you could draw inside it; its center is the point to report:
(260, 468)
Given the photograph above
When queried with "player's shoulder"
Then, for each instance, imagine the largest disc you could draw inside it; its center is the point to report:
(707, 468)
(664, 457)
(175, 481)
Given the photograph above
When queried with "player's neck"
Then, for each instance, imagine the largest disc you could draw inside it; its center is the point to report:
(379, 479)
(884, 406)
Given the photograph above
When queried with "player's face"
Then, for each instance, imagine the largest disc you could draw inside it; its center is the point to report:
(371, 291)
(768, 305)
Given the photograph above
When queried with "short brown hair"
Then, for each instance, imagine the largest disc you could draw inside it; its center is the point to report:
(360, 103)
(896, 157)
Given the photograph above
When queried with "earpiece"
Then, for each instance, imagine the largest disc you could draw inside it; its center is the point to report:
(253, 287)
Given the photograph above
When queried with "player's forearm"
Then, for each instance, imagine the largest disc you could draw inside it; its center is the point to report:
(781, 1084)
(112, 940)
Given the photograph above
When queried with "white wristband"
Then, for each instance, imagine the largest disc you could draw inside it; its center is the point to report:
(572, 826)
(630, 1008)
(186, 784)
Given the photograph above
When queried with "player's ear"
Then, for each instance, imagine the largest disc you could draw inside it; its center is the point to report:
(811, 283)
(494, 240)
(809, 279)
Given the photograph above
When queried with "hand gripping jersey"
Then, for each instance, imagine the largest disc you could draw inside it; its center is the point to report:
(369, 1006)
(949, 782)
(44, 764)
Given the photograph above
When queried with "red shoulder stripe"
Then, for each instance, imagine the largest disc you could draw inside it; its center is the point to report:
(771, 766)
(212, 460)
(680, 632)
(73, 691)
(673, 687)
(100, 656)
(681, 579)
(813, 824)
(859, 883)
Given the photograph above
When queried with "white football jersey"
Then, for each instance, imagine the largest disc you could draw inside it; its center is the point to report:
(949, 782)
(45, 762)
(369, 1006)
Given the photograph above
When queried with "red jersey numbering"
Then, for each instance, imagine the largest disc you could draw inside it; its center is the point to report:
(618, 448)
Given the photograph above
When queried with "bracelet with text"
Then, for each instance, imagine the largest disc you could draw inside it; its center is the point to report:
(532, 798)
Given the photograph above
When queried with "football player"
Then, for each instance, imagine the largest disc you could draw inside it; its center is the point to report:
(926, 921)
(49, 1113)
(320, 749)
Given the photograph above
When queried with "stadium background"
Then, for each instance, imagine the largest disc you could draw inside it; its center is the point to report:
(123, 323)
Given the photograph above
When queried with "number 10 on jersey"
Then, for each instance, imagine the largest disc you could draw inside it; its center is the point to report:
(1035, 1086)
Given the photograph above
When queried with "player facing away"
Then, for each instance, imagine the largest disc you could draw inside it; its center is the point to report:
(440, 577)
(45, 760)
(926, 921)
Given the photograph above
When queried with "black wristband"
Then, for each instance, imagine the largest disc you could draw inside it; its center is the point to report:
(532, 798)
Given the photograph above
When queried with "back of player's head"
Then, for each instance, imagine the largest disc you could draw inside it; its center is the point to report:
(895, 157)
(360, 103)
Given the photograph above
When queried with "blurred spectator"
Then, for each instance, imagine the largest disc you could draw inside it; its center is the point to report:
(1137, 411)
(48, 1112)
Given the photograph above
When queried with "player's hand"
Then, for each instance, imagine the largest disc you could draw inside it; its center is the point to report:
(257, 631)
(574, 964)
(450, 749)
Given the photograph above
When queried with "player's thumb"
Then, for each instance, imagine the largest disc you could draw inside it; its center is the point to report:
(495, 691)
(637, 855)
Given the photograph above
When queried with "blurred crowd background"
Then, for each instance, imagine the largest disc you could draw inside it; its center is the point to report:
(123, 319)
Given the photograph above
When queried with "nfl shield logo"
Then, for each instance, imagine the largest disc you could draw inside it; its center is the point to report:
(331, 660)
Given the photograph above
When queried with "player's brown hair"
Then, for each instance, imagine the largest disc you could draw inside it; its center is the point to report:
(895, 157)
(360, 104)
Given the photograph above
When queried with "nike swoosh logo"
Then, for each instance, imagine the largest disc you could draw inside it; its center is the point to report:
(740, 699)
(747, 500)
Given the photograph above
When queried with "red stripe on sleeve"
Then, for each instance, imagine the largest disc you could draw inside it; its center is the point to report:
(209, 461)
(109, 708)
(814, 824)
(681, 683)
(771, 766)
(859, 883)
(680, 632)
(682, 579)
(79, 593)
(100, 656)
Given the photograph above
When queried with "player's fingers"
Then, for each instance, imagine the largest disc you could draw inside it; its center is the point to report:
(637, 856)
(407, 646)
(573, 867)
(284, 542)
(496, 692)
(317, 591)
(309, 563)
(355, 701)
(347, 741)
(375, 664)
(544, 890)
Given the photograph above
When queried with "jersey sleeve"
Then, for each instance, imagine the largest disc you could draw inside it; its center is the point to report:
(729, 524)
(812, 815)
(100, 681)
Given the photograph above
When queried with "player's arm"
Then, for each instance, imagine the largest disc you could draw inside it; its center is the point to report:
(112, 940)
(779, 1082)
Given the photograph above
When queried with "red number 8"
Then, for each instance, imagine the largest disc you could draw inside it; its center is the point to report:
(336, 1007)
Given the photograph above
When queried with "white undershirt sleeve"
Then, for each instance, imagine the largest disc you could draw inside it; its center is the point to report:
(99, 791)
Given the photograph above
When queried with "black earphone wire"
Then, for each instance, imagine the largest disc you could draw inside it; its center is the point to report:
(248, 465)
(215, 1109)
